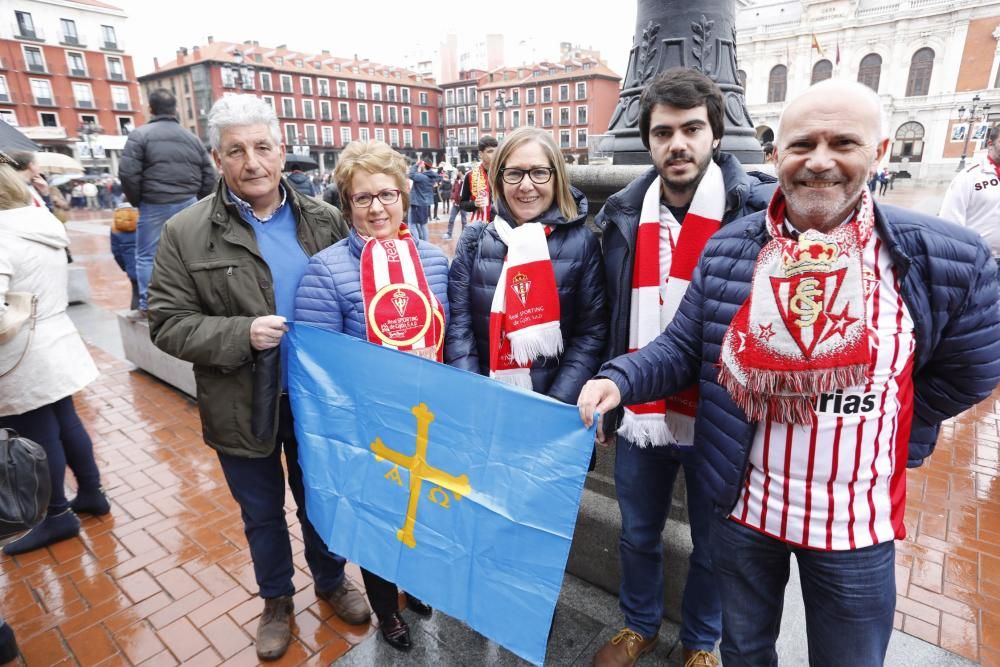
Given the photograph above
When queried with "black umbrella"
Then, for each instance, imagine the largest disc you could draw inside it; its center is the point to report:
(11, 139)
(300, 162)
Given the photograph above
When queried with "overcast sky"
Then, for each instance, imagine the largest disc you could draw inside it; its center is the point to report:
(384, 31)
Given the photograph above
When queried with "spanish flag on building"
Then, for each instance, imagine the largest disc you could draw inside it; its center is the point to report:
(815, 44)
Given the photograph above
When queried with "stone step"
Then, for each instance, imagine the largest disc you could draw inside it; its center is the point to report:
(139, 349)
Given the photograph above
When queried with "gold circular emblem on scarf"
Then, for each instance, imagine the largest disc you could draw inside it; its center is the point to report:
(390, 292)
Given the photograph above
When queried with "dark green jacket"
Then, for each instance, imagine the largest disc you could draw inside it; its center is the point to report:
(209, 283)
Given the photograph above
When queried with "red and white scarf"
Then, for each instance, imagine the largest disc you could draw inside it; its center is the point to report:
(401, 310)
(524, 316)
(670, 420)
(480, 187)
(803, 330)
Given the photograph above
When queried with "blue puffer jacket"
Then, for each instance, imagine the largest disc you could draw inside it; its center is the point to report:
(948, 282)
(329, 295)
(576, 260)
(619, 220)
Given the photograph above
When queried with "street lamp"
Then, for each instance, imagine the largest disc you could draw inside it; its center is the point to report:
(970, 116)
(501, 104)
(87, 130)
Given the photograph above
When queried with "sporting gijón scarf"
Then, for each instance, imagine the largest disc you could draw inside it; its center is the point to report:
(664, 422)
(524, 316)
(400, 309)
(803, 330)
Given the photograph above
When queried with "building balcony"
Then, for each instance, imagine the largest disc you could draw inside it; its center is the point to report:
(78, 73)
(116, 46)
(325, 116)
(116, 76)
(122, 106)
(6, 98)
(46, 102)
(309, 115)
(266, 87)
(328, 142)
(85, 104)
(36, 68)
(72, 40)
(565, 122)
(35, 34)
(345, 118)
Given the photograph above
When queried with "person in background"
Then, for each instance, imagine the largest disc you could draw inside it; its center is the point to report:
(45, 364)
(255, 235)
(444, 191)
(27, 169)
(299, 180)
(422, 182)
(123, 245)
(973, 197)
(90, 191)
(456, 209)
(164, 169)
(333, 295)
(477, 197)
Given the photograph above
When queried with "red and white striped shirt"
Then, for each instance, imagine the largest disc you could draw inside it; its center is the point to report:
(840, 483)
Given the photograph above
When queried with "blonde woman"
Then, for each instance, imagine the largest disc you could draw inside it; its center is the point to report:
(40, 370)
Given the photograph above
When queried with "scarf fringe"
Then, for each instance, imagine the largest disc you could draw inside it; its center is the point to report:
(758, 405)
(515, 377)
(646, 430)
(809, 383)
(544, 340)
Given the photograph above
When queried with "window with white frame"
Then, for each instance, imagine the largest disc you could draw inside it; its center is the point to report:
(265, 81)
(563, 92)
(291, 134)
(286, 83)
(362, 113)
(515, 119)
(376, 91)
(324, 87)
(461, 115)
(308, 109)
(425, 119)
(581, 90)
(449, 96)
(390, 95)
(581, 138)
(83, 95)
(41, 90)
(228, 77)
(425, 139)
(33, 59)
(48, 119)
(449, 116)
(564, 115)
(406, 116)
(423, 98)
(462, 136)
(377, 112)
(564, 139)
(404, 94)
(379, 134)
(76, 63)
(288, 107)
(529, 118)
(345, 136)
(341, 89)
(310, 134)
(363, 134)
(4, 90)
(485, 119)
(393, 137)
(306, 83)
(266, 98)
(546, 94)
(473, 135)
(345, 112)
(408, 138)
(325, 112)
(547, 117)
(327, 135)
(393, 116)
(8, 116)
(116, 72)
(581, 115)
(360, 90)
(120, 98)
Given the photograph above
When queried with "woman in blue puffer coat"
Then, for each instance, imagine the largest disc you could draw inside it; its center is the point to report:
(382, 285)
(546, 326)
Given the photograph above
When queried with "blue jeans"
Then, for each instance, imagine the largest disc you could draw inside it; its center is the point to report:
(147, 238)
(455, 211)
(644, 480)
(258, 486)
(849, 596)
(417, 221)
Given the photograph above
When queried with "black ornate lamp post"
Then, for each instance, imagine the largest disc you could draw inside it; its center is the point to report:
(501, 104)
(673, 33)
(968, 117)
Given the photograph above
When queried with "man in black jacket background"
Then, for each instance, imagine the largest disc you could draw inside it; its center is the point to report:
(164, 169)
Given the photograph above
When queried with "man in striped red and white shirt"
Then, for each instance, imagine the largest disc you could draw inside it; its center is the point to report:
(832, 336)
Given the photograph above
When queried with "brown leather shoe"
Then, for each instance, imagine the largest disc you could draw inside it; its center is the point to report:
(696, 658)
(624, 649)
(275, 628)
(348, 603)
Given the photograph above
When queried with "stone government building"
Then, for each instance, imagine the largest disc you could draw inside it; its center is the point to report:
(925, 58)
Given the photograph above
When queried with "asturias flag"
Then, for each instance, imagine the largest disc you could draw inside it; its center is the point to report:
(462, 490)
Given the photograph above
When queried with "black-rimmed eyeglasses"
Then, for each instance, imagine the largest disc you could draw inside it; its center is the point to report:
(385, 197)
(538, 175)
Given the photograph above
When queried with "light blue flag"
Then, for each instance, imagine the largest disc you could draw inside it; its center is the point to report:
(461, 490)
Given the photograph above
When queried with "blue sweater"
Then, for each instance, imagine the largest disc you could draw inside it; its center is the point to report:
(329, 295)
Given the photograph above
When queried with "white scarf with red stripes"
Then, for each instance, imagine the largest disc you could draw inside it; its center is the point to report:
(524, 315)
(401, 311)
(671, 420)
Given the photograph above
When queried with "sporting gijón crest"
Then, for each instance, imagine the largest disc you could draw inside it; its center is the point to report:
(808, 306)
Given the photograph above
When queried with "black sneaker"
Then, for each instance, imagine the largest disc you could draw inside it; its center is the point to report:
(8, 644)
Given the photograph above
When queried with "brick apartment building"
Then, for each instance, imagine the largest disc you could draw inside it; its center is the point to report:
(65, 79)
(323, 102)
(574, 99)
